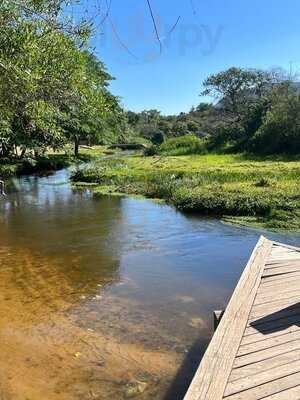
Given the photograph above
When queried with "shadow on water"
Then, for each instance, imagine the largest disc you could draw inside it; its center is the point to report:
(186, 371)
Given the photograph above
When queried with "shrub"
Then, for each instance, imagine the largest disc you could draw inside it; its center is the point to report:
(151, 151)
(280, 129)
(158, 138)
(183, 145)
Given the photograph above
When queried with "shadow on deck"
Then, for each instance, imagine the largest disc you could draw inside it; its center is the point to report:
(279, 320)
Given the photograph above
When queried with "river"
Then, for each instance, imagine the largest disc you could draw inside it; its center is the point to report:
(108, 297)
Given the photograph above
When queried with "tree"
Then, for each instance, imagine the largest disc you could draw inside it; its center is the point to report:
(165, 126)
(150, 116)
(180, 128)
(132, 118)
(280, 128)
(92, 104)
(51, 88)
(203, 107)
(236, 87)
(193, 126)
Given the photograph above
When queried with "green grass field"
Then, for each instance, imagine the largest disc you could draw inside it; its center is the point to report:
(240, 189)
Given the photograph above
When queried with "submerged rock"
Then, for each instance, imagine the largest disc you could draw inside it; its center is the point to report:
(134, 388)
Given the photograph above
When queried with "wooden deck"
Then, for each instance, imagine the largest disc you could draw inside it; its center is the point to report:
(255, 351)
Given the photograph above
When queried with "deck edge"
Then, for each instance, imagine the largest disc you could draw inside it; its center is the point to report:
(210, 380)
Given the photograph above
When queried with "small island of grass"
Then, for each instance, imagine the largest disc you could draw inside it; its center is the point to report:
(239, 188)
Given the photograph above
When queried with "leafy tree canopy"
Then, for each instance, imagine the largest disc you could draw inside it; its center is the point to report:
(52, 89)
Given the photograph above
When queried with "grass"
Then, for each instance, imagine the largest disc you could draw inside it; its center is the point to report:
(184, 145)
(238, 188)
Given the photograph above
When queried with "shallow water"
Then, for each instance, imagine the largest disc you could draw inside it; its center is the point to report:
(108, 298)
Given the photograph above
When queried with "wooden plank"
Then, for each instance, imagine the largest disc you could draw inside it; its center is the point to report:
(262, 310)
(280, 264)
(267, 389)
(266, 354)
(283, 245)
(264, 365)
(283, 258)
(276, 326)
(252, 381)
(212, 375)
(281, 287)
(285, 280)
(279, 294)
(281, 270)
(281, 250)
(268, 343)
(269, 297)
(284, 262)
(293, 393)
(264, 335)
(284, 250)
(275, 258)
(272, 328)
(286, 277)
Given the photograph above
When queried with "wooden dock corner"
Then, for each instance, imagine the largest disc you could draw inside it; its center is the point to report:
(255, 351)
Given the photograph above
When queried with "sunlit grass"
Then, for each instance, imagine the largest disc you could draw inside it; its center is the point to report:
(267, 190)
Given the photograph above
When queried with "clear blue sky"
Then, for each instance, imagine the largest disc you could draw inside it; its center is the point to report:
(211, 35)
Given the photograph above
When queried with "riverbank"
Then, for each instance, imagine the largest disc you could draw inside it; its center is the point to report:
(49, 162)
(240, 189)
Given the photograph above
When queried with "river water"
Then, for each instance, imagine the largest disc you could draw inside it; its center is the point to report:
(108, 298)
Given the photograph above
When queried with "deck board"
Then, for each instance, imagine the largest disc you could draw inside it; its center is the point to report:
(255, 352)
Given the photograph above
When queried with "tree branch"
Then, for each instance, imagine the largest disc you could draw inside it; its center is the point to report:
(154, 25)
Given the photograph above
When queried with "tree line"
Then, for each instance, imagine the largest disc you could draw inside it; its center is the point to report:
(54, 91)
(253, 110)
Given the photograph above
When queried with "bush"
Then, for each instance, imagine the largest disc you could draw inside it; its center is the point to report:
(184, 145)
(158, 138)
(151, 151)
(280, 129)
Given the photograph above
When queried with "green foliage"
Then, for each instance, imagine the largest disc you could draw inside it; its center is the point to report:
(52, 90)
(224, 185)
(30, 165)
(158, 138)
(150, 124)
(235, 87)
(260, 111)
(151, 151)
(280, 128)
(183, 145)
(255, 113)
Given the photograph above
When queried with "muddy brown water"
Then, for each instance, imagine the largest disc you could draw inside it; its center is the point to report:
(107, 298)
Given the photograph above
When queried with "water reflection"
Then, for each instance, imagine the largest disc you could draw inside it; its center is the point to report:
(105, 298)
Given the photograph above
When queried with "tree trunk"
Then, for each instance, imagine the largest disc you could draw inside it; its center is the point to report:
(2, 192)
(76, 146)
